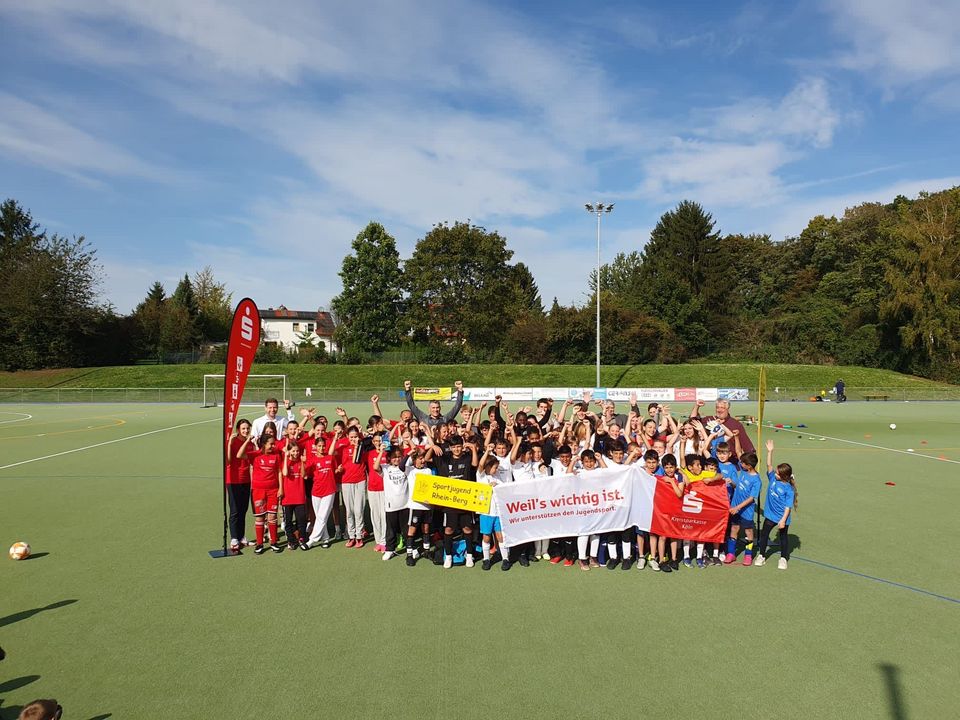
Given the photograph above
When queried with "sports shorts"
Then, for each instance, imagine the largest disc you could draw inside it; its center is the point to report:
(490, 524)
(264, 500)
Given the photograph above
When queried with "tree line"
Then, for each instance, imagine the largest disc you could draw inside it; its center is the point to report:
(879, 287)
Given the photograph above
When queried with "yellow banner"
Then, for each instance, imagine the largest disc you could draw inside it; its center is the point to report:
(762, 398)
(447, 492)
(432, 393)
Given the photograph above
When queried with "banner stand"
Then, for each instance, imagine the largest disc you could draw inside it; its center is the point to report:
(241, 347)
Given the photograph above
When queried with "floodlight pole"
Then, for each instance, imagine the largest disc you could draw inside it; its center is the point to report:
(598, 209)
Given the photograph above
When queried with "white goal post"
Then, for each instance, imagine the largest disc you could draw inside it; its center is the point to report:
(261, 385)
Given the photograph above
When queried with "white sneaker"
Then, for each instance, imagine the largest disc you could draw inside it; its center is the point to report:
(759, 560)
(641, 562)
(782, 565)
(389, 555)
(338, 534)
(469, 561)
(247, 543)
(545, 556)
(448, 562)
(654, 565)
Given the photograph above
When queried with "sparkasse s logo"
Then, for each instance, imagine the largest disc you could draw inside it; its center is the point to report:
(692, 504)
(246, 327)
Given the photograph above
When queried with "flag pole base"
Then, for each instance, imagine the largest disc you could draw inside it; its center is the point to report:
(219, 553)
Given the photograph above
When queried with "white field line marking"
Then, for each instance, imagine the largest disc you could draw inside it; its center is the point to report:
(108, 442)
(19, 419)
(801, 431)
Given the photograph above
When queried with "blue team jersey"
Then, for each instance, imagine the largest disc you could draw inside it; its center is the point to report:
(729, 471)
(780, 496)
(748, 485)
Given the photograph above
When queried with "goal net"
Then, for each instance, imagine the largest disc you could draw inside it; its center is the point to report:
(258, 389)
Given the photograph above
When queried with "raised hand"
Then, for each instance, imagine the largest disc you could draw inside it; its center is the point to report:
(458, 385)
(375, 399)
(407, 384)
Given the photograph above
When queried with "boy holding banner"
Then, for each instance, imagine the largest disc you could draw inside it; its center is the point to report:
(454, 464)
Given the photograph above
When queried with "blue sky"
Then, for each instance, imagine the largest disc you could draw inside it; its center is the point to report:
(260, 137)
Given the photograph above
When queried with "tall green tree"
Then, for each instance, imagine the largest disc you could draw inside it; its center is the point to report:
(460, 282)
(215, 306)
(49, 309)
(369, 308)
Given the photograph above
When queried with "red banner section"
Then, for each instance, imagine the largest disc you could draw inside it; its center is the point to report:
(701, 514)
(244, 340)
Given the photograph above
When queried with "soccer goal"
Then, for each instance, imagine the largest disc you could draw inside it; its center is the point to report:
(258, 389)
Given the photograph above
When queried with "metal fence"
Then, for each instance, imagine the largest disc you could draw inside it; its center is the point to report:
(194, 395)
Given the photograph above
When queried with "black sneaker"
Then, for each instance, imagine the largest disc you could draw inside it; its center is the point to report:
(716, 561)
(304, 546)
(612, 564)
(291, 545)
(276, 547)
(411, 560)
(486, 565)
(675, 564)
(437, 558)
(626, 563)
(524, 562)
(665, 567)
(259, 550)
(325, 544)
(506, 565)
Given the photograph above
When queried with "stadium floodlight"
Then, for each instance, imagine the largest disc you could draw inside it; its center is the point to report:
(598, 209)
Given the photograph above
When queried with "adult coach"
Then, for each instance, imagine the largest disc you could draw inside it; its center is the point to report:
(723, 416)
(271, 406)
(433, 418)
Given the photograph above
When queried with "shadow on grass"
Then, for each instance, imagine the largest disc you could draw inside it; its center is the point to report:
(24, 614)
(34, 556)
(12, 712)
(891, 679)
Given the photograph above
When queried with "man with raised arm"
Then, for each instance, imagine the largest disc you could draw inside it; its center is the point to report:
(270, 407)
(433, 418)
(724, 417)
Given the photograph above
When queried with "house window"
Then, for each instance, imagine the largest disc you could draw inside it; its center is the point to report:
(310, 327)
(296, 327)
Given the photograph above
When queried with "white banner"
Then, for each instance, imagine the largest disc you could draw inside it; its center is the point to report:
(595, 501)
(472, 394)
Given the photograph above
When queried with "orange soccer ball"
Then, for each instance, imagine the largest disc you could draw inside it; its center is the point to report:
(20, 551)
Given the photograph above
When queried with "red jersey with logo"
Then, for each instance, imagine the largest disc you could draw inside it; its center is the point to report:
(294, 492)
(324, 478)
(266, 468)
(238, 469)
(353, 472)
(375, 479)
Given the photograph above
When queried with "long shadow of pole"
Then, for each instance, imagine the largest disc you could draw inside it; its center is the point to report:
(891, 678)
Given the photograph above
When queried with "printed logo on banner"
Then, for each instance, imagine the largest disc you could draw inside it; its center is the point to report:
(479, 393)
(684, 395)
(432, 393)
(599, 393)
(661, 394)
(515, 393)
(450, 492)
(733, 393)
(557, 394)
(620, 394)
(707, 394)
(691, 503)
(700, 515)
(574, 393)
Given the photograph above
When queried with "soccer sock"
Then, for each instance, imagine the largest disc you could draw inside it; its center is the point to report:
(731, 546)
(626, 549)
(699, 551)
(258, 526)
(485, 546)
(716, 549)
(505, 553)
(612, 550)
(582, 543)
(594, 545)
(468, 536)
(272, 529)
(426, 541)
(686, 550)
(448, 544)
(749, 549)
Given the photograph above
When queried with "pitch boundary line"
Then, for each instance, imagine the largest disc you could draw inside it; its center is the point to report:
(26, 416)
(863, 444)
(877, 579)
(107, 442)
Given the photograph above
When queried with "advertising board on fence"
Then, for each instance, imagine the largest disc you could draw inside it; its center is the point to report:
(622, 395)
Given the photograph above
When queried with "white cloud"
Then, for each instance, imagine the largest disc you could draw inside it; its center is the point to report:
(35, 135)
(903, 42)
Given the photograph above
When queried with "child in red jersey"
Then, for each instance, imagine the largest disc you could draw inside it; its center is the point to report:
(238, 486)
(265, 463)
(324, 490)
(293, 496)
(353, 485)
(376, 456)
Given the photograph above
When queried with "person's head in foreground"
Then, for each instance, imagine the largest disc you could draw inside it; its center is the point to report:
(41, 710)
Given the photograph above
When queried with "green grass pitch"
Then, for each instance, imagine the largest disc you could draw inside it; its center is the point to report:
(121, 613)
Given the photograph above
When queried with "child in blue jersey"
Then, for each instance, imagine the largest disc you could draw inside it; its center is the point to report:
(746, 493)
(781, 502)
(723, 453)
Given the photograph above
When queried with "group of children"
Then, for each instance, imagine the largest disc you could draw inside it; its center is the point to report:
(311, 472)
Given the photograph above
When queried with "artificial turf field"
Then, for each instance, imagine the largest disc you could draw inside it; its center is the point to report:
(121, 612)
